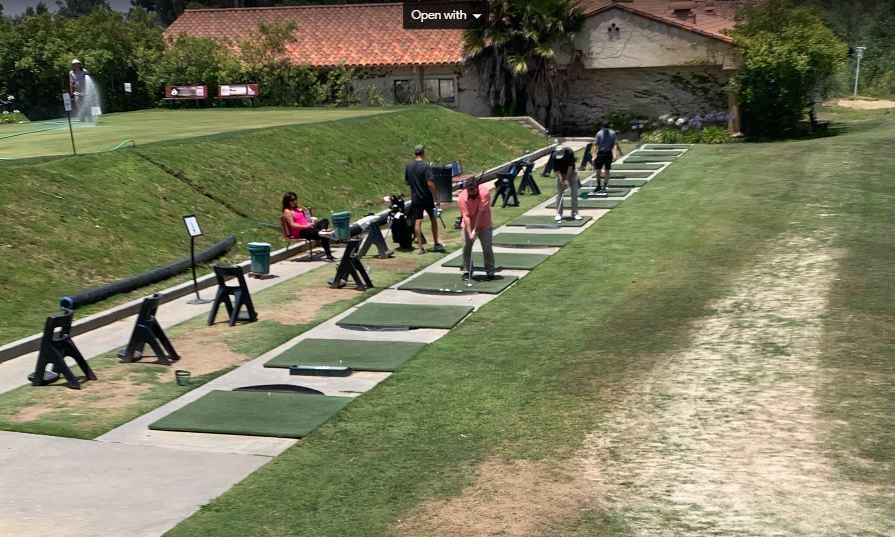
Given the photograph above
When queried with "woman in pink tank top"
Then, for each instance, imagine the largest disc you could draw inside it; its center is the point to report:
(299, 226)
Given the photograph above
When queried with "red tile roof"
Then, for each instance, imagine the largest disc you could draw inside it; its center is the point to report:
(356, 35)
(699, 22)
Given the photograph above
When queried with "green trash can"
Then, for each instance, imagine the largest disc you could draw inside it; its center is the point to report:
(260, 254)
(341, 225)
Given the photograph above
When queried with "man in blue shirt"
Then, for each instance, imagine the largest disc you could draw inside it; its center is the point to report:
(606, 145)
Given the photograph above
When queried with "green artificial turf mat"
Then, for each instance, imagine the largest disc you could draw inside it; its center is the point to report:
(612, 192)
(666, 146)
(358, 355)
(431, 281)
(626, 183)
(567, 221)
(647, 160)
(590, 203)
(509, 261)
(624, 166)
(410, 315)
(647, 153)
(286, 415)
(629, 175)
(531, 239)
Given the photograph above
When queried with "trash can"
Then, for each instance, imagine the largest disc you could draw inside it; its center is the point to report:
(341, 225)
(260, 254)
(443, 179)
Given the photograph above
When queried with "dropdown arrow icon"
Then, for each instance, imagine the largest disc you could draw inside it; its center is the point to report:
(476, 15)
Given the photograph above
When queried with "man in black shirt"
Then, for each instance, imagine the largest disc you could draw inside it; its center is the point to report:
(418, 175)
(564, 165)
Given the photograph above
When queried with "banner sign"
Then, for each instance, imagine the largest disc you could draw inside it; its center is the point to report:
(237, 91)
(186, 92)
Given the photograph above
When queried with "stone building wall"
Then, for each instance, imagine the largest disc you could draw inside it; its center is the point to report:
(464, 82)
(649, 92)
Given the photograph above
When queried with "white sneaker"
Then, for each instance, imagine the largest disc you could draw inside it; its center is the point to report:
(558, 217)
(325, 234)
(577, 217)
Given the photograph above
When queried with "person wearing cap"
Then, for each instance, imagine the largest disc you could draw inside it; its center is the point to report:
(418, 175)
(77, 86)
(606, 144)
(566, 176)
(475, 212)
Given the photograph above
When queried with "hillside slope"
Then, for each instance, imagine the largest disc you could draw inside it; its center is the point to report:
(71, 224)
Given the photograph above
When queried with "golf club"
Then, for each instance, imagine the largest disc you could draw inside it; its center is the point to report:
(469, 274)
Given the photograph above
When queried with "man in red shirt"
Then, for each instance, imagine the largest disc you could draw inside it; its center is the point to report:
(475, 210)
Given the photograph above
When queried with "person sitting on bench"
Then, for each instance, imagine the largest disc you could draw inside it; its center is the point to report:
(301, 228)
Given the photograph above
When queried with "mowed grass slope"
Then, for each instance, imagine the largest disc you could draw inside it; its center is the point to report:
(567, 372)
(148, 126)
(75, 223)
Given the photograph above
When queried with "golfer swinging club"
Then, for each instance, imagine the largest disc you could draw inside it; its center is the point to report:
(475, 212)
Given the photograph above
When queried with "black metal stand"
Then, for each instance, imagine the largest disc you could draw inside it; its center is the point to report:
(350, 266)
(587, 158)
(548, 169)
(54, 347)
(528, 182)
(506, 188)
(147, 330)
(198, 299)
(374, 236)
(240, 293)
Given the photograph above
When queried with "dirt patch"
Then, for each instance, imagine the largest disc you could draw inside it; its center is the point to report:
(306, 304)
(508, 499)
(113, 394)
(726, 438)
(395, 263)
(865, 105)
(200, 356)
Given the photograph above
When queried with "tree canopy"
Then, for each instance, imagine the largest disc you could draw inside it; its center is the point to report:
(787, 52)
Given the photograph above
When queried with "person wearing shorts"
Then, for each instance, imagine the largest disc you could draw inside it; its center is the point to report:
(423, 199)
(606, 145)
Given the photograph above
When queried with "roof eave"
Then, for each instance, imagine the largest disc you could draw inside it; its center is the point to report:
(650, 16)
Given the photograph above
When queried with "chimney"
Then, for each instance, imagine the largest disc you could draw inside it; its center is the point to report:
(684, 10)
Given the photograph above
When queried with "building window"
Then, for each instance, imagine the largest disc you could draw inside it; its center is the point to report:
(436, 90)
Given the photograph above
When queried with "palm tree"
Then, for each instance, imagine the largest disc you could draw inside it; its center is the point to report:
(514, 55)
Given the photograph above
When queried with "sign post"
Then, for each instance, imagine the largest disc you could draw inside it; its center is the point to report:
(66, 101)
(192, 227)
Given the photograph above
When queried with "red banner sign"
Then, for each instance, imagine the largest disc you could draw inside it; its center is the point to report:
(186, 92)
(237, 91)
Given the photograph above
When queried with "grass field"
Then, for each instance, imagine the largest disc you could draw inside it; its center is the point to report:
(713, 357)
(68, 224)
(149, 126)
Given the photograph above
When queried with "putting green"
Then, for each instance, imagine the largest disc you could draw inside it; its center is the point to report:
(624, 166)
(590, 203)
(531, 239)
(509, 261)
(666, 146)
(406, 315)
(567, 221)
(286, 415)
(434, 281)
(358, 355)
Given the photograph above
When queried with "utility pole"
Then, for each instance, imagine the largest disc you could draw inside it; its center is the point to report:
(860, 54)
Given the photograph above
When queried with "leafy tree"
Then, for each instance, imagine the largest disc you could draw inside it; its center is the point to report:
(39, 9)
(77, 8)
(514, 55)
(787, 51)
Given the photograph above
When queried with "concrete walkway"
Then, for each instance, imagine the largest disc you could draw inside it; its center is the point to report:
(133, 481)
